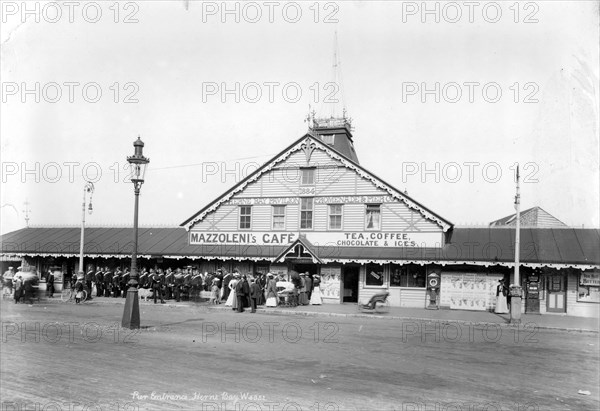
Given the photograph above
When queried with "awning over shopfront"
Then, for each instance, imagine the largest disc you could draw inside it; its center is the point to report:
(553, 247)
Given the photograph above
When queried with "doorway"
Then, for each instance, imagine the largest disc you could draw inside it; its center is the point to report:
(312, 269)
(350, 279)
(556, 299)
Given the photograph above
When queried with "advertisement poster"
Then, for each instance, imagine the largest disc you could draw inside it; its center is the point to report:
(330, 283)
(462, 291)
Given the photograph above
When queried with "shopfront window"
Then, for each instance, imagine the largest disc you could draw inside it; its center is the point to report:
(588, 289)
(374, 275)
(410, 275)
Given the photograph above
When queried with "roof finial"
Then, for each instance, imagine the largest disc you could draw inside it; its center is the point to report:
(26, 211)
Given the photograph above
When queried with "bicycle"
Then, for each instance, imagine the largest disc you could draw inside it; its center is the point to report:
(69, 294)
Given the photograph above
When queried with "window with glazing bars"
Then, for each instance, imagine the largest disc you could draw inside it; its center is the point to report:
(306, 213)
(245, 217)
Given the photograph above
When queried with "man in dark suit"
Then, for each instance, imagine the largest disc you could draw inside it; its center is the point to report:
(116, 283)
(99, 280)
(169, 283)
(108, 277)
(89, 276)
(178, 284)
(309, 285)
(157, 285)
(242, 292)
(124, 281)
(50, 284)
(255, 295)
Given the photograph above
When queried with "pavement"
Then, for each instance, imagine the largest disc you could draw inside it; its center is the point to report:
(537, 321)
(189, 356)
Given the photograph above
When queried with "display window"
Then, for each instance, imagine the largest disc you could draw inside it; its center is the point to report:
(375, 276)
(588, 289)
(410, 275)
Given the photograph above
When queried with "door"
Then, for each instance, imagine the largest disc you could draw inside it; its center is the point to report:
(556, 295)
(350, 286)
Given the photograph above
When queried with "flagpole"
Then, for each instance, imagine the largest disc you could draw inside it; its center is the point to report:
(515, 288)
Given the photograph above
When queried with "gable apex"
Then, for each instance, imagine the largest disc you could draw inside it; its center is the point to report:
(308, 144)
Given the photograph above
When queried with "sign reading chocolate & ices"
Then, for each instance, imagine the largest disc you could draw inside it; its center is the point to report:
(340, 239)
(376, 239)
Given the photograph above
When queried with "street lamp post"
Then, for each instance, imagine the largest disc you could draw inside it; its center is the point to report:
(137, 164)
(88, 188)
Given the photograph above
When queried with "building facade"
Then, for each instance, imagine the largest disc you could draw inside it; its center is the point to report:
(313, 208)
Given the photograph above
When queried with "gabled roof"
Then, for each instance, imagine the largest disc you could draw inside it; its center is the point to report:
(309, 248)
(532, 217)
(539, 247)
(299, 144)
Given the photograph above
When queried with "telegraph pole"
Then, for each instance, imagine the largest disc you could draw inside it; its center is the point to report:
(515, 289)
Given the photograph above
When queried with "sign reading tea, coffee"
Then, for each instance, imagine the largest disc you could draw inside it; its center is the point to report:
(339, 239)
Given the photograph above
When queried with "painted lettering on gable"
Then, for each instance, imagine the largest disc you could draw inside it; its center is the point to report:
(241, 238)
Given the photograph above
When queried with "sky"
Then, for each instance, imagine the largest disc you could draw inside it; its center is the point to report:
(445, 98)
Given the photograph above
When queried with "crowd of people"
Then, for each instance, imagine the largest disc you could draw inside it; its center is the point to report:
(230, 288)
(239, 291)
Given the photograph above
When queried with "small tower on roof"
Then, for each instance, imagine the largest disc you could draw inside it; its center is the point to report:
(335, 130)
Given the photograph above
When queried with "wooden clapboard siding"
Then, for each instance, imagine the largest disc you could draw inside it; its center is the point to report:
(412, 297)
(332, 179)
(320, 217)
(292, 216)
(399, 217)
(225, 218)
(354, 217)
(261, 217)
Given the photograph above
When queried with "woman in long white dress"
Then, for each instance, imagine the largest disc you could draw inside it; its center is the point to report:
(315, 298)
(501, 298)
(232, 299)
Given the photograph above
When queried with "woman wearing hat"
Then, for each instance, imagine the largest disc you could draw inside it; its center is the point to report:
(315, 298)
(271, 291)
(232, 298)
(501, 301)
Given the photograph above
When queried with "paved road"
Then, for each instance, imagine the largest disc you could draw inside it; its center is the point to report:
(62, 356)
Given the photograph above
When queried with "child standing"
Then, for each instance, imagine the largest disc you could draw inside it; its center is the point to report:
(78, 292)
(214, 292)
